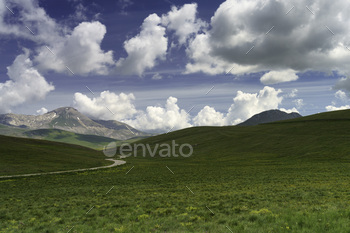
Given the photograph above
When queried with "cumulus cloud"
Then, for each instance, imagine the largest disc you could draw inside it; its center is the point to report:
(274, 77)
(26, 84)
(245, 105)
(298, 40)
(183, 21)
(80, 51)
(209, 116)
(28, 14)
(58, 46)
(42, 111)
(341, 95)
(107, 106)
(145, 49)
(162, 119)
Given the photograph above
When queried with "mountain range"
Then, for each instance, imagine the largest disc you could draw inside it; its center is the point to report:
(70, 119)
(68, 125)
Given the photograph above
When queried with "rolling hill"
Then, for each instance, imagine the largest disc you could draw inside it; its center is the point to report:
(286, 176)
(324, 134)
(22, 155)
(57, 135)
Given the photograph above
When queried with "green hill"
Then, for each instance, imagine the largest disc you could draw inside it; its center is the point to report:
(288, 176)
(318, 136)
(57, 135)
(21, 156)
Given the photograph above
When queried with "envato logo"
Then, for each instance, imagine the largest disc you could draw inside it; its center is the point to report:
(163, 150)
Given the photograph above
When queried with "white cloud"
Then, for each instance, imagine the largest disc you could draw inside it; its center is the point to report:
(28, 13)
(26, 84)
(107, 106)
(209, 116)
(298, 40)
(183, 21)
(289, 110)
(145, 49)
(341, 95)
(334, 108)
(292, 94)
(274, 77)
(161, 119)
(80, 51)
(299, 103)
(245, 105)
(202, 59)
(42, 111)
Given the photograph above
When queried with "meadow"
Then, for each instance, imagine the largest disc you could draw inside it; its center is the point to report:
(23, 156)
(291, 176)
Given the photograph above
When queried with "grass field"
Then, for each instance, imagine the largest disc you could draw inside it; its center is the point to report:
(291, 176)
(57, 135)
(22, 156)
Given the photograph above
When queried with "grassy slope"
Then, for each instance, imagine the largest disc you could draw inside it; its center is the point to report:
(308, 139)
(91, 141)
(20, 156)
(11, 131)
(57, 135)
(291, 176)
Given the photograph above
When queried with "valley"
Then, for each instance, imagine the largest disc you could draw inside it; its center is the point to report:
(283, 176)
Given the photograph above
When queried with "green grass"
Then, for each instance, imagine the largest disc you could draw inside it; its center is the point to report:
(11, 131)
(291, 176)
(22, 156)
(57, 135)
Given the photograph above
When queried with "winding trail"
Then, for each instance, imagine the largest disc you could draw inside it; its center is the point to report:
(116, 163)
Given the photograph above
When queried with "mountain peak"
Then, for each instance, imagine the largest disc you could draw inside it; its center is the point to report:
(270, 116)
(70, 119)
(65, 110)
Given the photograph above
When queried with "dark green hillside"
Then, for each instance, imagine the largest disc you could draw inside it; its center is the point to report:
(21, 155)
(319, 136)
(341, 115)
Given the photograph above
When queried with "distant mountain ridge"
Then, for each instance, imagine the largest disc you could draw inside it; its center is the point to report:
(70, 119)
(269, 116)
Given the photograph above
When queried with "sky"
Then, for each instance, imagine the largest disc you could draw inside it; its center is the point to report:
(164, 65)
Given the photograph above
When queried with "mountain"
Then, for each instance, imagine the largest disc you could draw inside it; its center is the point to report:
(70, 119)
(269, 116)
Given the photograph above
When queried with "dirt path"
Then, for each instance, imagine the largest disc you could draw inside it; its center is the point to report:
(116, 163)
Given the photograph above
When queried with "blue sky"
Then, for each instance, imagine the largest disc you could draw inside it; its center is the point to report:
(161, 65)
